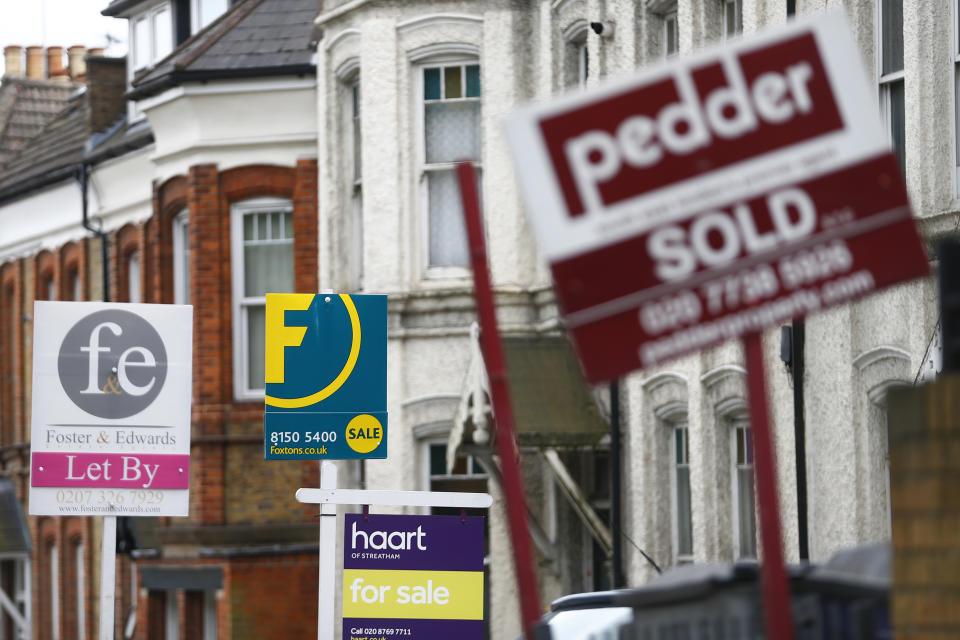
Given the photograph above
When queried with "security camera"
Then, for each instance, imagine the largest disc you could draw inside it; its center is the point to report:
(602, 29)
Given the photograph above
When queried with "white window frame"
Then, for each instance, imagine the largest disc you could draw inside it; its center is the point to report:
(440, 272)
(673, 426)
(209, 614)
(79, 575)
(738, 18)
(735, 425)
(171, 616)
(53, 550)
(150, 15)
(955, 102)
(354, 119)
(241, 373)
(670, 23)
(886, 81)
(181, 252)
(133, 266)
(195, 25)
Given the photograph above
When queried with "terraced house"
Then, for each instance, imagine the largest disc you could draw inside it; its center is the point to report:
(290, 145)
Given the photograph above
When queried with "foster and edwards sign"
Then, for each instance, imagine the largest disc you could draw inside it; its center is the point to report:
(415, 577)
(326, 376)
(715, 195)
(112, 385)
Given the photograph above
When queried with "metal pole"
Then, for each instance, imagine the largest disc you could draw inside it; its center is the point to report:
(326, 597)
(616, 554)
(776, 591)
(108, 577)
(502, 408)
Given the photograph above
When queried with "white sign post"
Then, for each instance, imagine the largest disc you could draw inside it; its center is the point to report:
(110, 436)
(328, 496)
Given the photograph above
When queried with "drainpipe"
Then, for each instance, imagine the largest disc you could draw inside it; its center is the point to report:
(84, 178)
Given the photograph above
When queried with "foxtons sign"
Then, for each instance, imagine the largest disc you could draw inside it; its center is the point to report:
(111, 409)
(412, 576)
(715, 195)
(326, 376)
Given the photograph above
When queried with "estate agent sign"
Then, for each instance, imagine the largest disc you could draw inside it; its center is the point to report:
(326, 377)
(413, 577)
(715, 195)
(112, 386)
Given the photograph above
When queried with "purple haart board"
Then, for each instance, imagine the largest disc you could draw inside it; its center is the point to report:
(412, 577)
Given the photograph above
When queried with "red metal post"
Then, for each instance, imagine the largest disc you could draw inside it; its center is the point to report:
(502, 407)
(776, 591)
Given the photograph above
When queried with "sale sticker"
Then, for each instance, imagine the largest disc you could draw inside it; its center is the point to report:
(715, 195)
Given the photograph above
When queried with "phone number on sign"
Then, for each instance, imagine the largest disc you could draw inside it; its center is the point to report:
(369, 632)
(293, 437)
(108, 496)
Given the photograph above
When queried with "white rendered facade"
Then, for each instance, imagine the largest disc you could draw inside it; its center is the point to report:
(531, 51)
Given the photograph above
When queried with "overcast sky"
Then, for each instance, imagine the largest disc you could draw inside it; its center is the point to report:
(68, 22)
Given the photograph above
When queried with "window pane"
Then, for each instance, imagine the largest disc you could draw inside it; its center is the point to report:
(51, 289)
(684, 521)
(473, 81)
(275, 232)
(267, 268)
(671, 29)
(288, 225)
(891, 35)
(745, 508)
(75, 286)
(133, 277)
(210, 10)
(453, 87)
(898, 122)
(438, 460)
(452, 131)
(142, 44)
(448, 237)
(256, 326)
(248, 224)
(162, 34)
(431, 84)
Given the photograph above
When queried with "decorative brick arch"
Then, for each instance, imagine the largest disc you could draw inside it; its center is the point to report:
(126, 241)
(45, 270)
(73, 265)
(253, 181)
(11, 341)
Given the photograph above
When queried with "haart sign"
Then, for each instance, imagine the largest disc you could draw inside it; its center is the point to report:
(112, 385)
(417, 577)
(715, 195)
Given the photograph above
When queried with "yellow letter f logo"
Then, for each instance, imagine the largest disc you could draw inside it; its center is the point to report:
(278, 335)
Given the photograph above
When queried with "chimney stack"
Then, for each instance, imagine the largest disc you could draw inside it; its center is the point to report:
(106, 84)
(54, 62)
(35, 63)
(76, 63)
(13, 61)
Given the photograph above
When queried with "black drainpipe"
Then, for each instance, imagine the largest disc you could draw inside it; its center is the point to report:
(104, 248)
(791, 352)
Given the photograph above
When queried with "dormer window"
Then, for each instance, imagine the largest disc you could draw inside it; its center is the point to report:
(203, 12)
(151, 36)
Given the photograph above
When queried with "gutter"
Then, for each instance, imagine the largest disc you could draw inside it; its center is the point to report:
(177, 78)
(84, 179)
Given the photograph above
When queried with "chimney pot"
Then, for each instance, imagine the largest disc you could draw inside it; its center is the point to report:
(61, 75)
(35, 63)
(76, 63)
(54, 61)
(13, 61)
(96, 52)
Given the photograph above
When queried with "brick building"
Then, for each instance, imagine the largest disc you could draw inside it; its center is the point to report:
(188, 163)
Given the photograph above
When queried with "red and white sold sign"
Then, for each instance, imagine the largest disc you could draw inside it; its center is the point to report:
(715, 195)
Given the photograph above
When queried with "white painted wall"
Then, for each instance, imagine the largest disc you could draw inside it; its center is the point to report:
(41, 220)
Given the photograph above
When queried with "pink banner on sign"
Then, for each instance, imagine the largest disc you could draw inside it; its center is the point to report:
(110, 470)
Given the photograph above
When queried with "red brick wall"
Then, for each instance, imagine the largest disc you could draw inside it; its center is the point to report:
(273, 597)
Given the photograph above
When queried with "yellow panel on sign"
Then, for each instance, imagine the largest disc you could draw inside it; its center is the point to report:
(438, 595)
